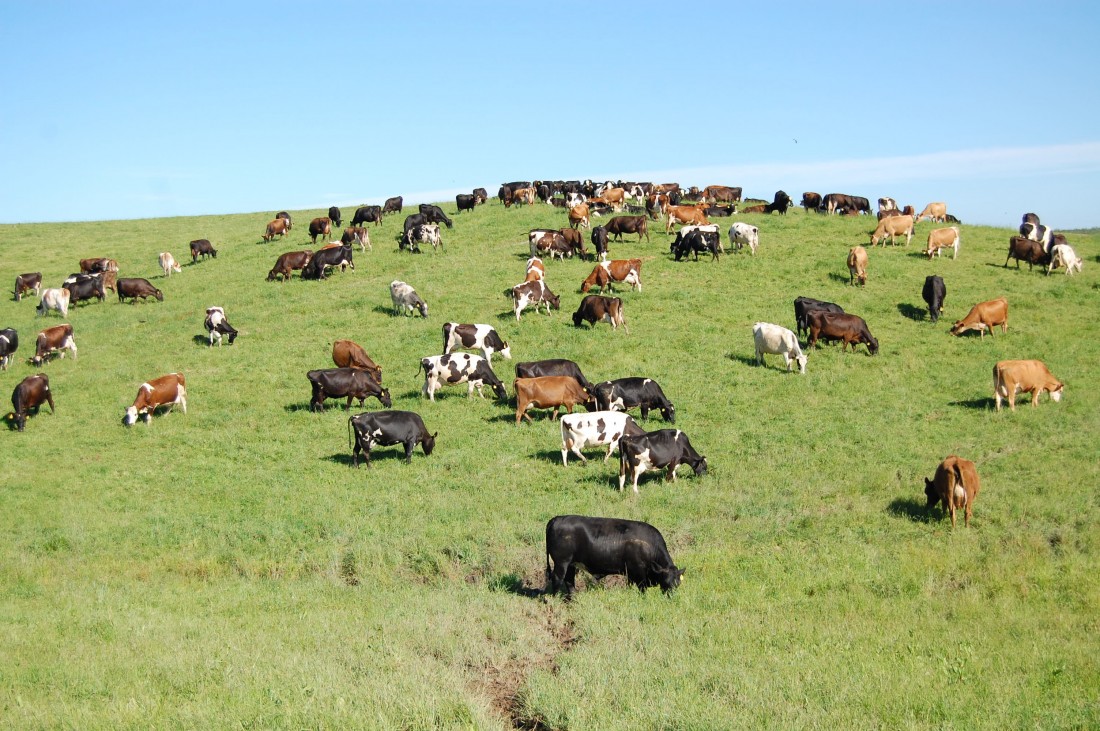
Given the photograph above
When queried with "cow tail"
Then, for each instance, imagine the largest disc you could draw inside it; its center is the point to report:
(958, 477)
(351, 438)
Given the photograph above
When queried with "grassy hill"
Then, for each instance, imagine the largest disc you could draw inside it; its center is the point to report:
(229, 568)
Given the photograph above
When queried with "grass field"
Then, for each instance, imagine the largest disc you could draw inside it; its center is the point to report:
(228, 567)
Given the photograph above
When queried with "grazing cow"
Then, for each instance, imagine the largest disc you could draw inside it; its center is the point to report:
(168, 263)
(892, 226)
(684, 215)
(548, 392)
(1029, 376)
(552, 367)
(427, 233)
(278, 227)
(595, 429)
(9, 343)
(286, 217)
(605, 547)
(548, 241)
(28, 396)
(405, 299)
(694, 240)
(335, 216)
(288, 262)
(778, 340)
(465, 202)
(96, 265)
(459, 368)
(934, 293)
(616, 270)
(780, 203)
(349, 354)
(350, 383)
(574, 240)
(357, 235)
(811, 201)
(857, 265)
(29, 282)
(393, 205)
(217, 326)
(956, 485)
(668, 448)
(83, 287)
(135, 288)
(53, 299)
(167, 390)
(1033, 252)
(803, 306)
(435, 214)
(720, 211)
(721, 194)
(51, 340)
(887, 204)
(203, 248)
(319, 227)
(536, 270)
(984, 316)
(505, 196)
(832, 326)
(942, 238)
(578, 216)
(387, 428)
(1063, 255)
(474, 337)
(620, 225)
(367, 214)
(597, 308)
(951, 219)
(614, 197)
(627, 393)
(841, 202)
(892, 213)
(742, 234)
(599, 241)
(533, 293)
(936, 211)
(331, 255)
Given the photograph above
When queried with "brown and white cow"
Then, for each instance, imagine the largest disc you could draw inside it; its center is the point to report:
(29, 282)
(357, 235)
(936, 211)
(684, 215)
(28, 395)
(278, 227)
(349, 354)
(548, 392)
(984, 316)
(51, 340)
(857, 265)
(321, 226)
(956, 484)
(98, 264)
(616, 270)
(536, 270)
(612, 197)
(578, 216)
(942, 238)
(533, 292)
(596, 308)
(1029, 376)
(892, 226)
(167, 391)
(168, 263)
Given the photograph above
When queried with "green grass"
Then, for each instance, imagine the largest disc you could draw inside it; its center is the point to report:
(228, 568)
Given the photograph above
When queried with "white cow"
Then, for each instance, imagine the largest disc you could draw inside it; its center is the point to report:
(778, 340)
(168, 263)
(1063, 255)
(595, 429)
(742, 234)
(405, 299)
(53, 299)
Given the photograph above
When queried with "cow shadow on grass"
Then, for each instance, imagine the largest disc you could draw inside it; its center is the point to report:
(915, 510)
(514, 584)
(749, 360)
(378, 455)
(912, 312)
(980, 404)
(839, 278)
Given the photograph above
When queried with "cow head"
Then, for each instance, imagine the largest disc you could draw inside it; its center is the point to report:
(428, 443)
(931, 493)
(1056, 392)
(500, 391)
(700, 467)
(872, 345)
(131, 416)
(159, 295)
(668, 411)
(667, 578)
(800, 359)
(384, 397)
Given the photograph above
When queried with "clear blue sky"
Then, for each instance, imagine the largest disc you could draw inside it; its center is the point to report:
(133, 110)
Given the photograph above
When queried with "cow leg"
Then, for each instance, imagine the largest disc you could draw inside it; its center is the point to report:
(670, 474)
(409, 445)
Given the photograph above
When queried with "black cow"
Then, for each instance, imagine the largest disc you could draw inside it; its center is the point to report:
(465, 202)
(135, 287)
(434, 214)
(552, 367)
(386, 428)
(599, 240)
(668, 448)
(781, 202)
(393, 205)
(720, 211)
(367, 214)
(620, 225)
(203, 247)
(333, 256)
(1033, 252)
(605, 547)
(544, 192)
(626, 393)
(832, 326)
(695, 242)
(934, 293)
(286, 217)
(481, 195)
(31, 393)
(412, 221)
(9, 343)
(505, 196)
(84, 287)
(811, 201)
(335, 216)
(804, 305)
(351, 383)
(29, 282)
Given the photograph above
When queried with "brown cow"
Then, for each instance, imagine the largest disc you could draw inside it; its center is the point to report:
(721, 194)
(319, 227)
(349, 354)
(811, 200)
(936, 211)
(613, 197)
(597, 308)
(574, 239)
(94, 266)
(1029, 376)
(857, 265)
(956, 484)
(942, 238)
(616, 270)
(831, 326)
(28, 395)
(620, 225)
(892, 226)
(288, 262)
(167, 391)
(278, 227)
(984, 316)
(357, 235)
(29, 282)
(1033, 252)
(684, 215)
(578, 216)
(548, 392)
(52, 339)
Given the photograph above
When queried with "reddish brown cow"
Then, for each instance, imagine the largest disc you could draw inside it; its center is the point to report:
(684, 215)
(319, 227)
(548, 392)
(984, 316)
(278, 227)
(167, 391)
(597, 308)
(616, 270)
(30, 394)
(349, 354)
(288, 262)
(1028, 376)
(94, 266)
(357, 235)
(51, 340)
(956, 484)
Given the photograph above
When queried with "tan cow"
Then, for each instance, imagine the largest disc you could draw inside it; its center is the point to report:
(167, 391)
(1029, 376)
(578, 216)
(936, 211)
(278, 227)
(616, 270)
(893, 226)
(168, 263)
(956, 484)
(684, 215)
(857, 265)
(548, 392)
(942, 238)
(349, 354)
(523, 195)
(613, 197)
(984, 316)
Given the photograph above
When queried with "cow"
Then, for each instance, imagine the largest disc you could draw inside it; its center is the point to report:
(367, 214)
(427, 233)
(811, 201)
(605, 547)
(285, 217)
(385, 429)
(668, 448)
(474, 337)
(594, 429)
(597, 308)
(936, 211)
(524, 195)
(335, 216)
(695, 240)
(51, 340)
(28, 396)
(83, 287)
(892, 226)
(167, 390)
(288, 262)
(349, 354)
(319, 227)
(832, 326)
(97, 265)
(627, 393)
(357, 235)
(29, 282)
(721, 194)
(349, 383)
(393, 205)
(203, 248)
(803, 306)
(934, 293)
(578, 216)
(481, 195)
(892, 213)
(599, 241)
(744, 234)
(135, 288)
(552, 367)
(459, 368)
(217, 326)
(533, 293)
(405, 299)
(435, 214)
(956, 485)
(547, 392)
(332, 255)
(1028, 376)
(1033, 252)
(780, 203)
(620, 225)
(1063, 255)
(168, 263)
(9, 343)
(505, 196)
(984, 316)
(574, 240)
(614, 197)
(53, 299)
(942, 238)
(544, 193)
(684, 215)
(1037, 232)
(536, 270)
(778, 340)
(887, 204)
(465, 202)
(857, 265)
(278, 227)
(616, 270)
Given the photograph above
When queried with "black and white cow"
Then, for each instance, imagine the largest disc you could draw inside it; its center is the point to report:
(84, 287)
(668, 448)
(803, 306)
(934, 293)
(350, 383)
(459, 368)
(427, 233)
(328, 257)
(552, 367)
(217, 326)
(626, 393)
(29, 282)
(606, 547)
(385, 429)
(474, 337)
(1037, 232)
(9, 343)
(694, 243)
(595, 429)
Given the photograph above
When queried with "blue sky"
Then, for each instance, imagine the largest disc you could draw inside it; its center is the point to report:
(134, 110)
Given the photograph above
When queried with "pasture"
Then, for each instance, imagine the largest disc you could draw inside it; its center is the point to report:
(228, 567)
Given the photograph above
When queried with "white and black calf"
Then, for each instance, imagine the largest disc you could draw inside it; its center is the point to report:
(595, 429)
(627, 393)
(745, 234)
(217, 326)
(350, 383)
(459, 368)
(9, 343)
(386, 428)
(668, 448)
(474, 337)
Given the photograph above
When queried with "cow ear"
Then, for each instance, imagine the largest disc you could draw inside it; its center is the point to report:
(435, 435)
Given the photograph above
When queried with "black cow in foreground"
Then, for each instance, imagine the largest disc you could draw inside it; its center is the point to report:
(367, 214)
(434, 214)
(385, 429)
(351, 383)
(552, 367)
(626, 393)
(668, 448)
(9, 343)
(31, 393)
(465, 202)
(803, 306)
(605, 547)
(335, 216)
(934, 293)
